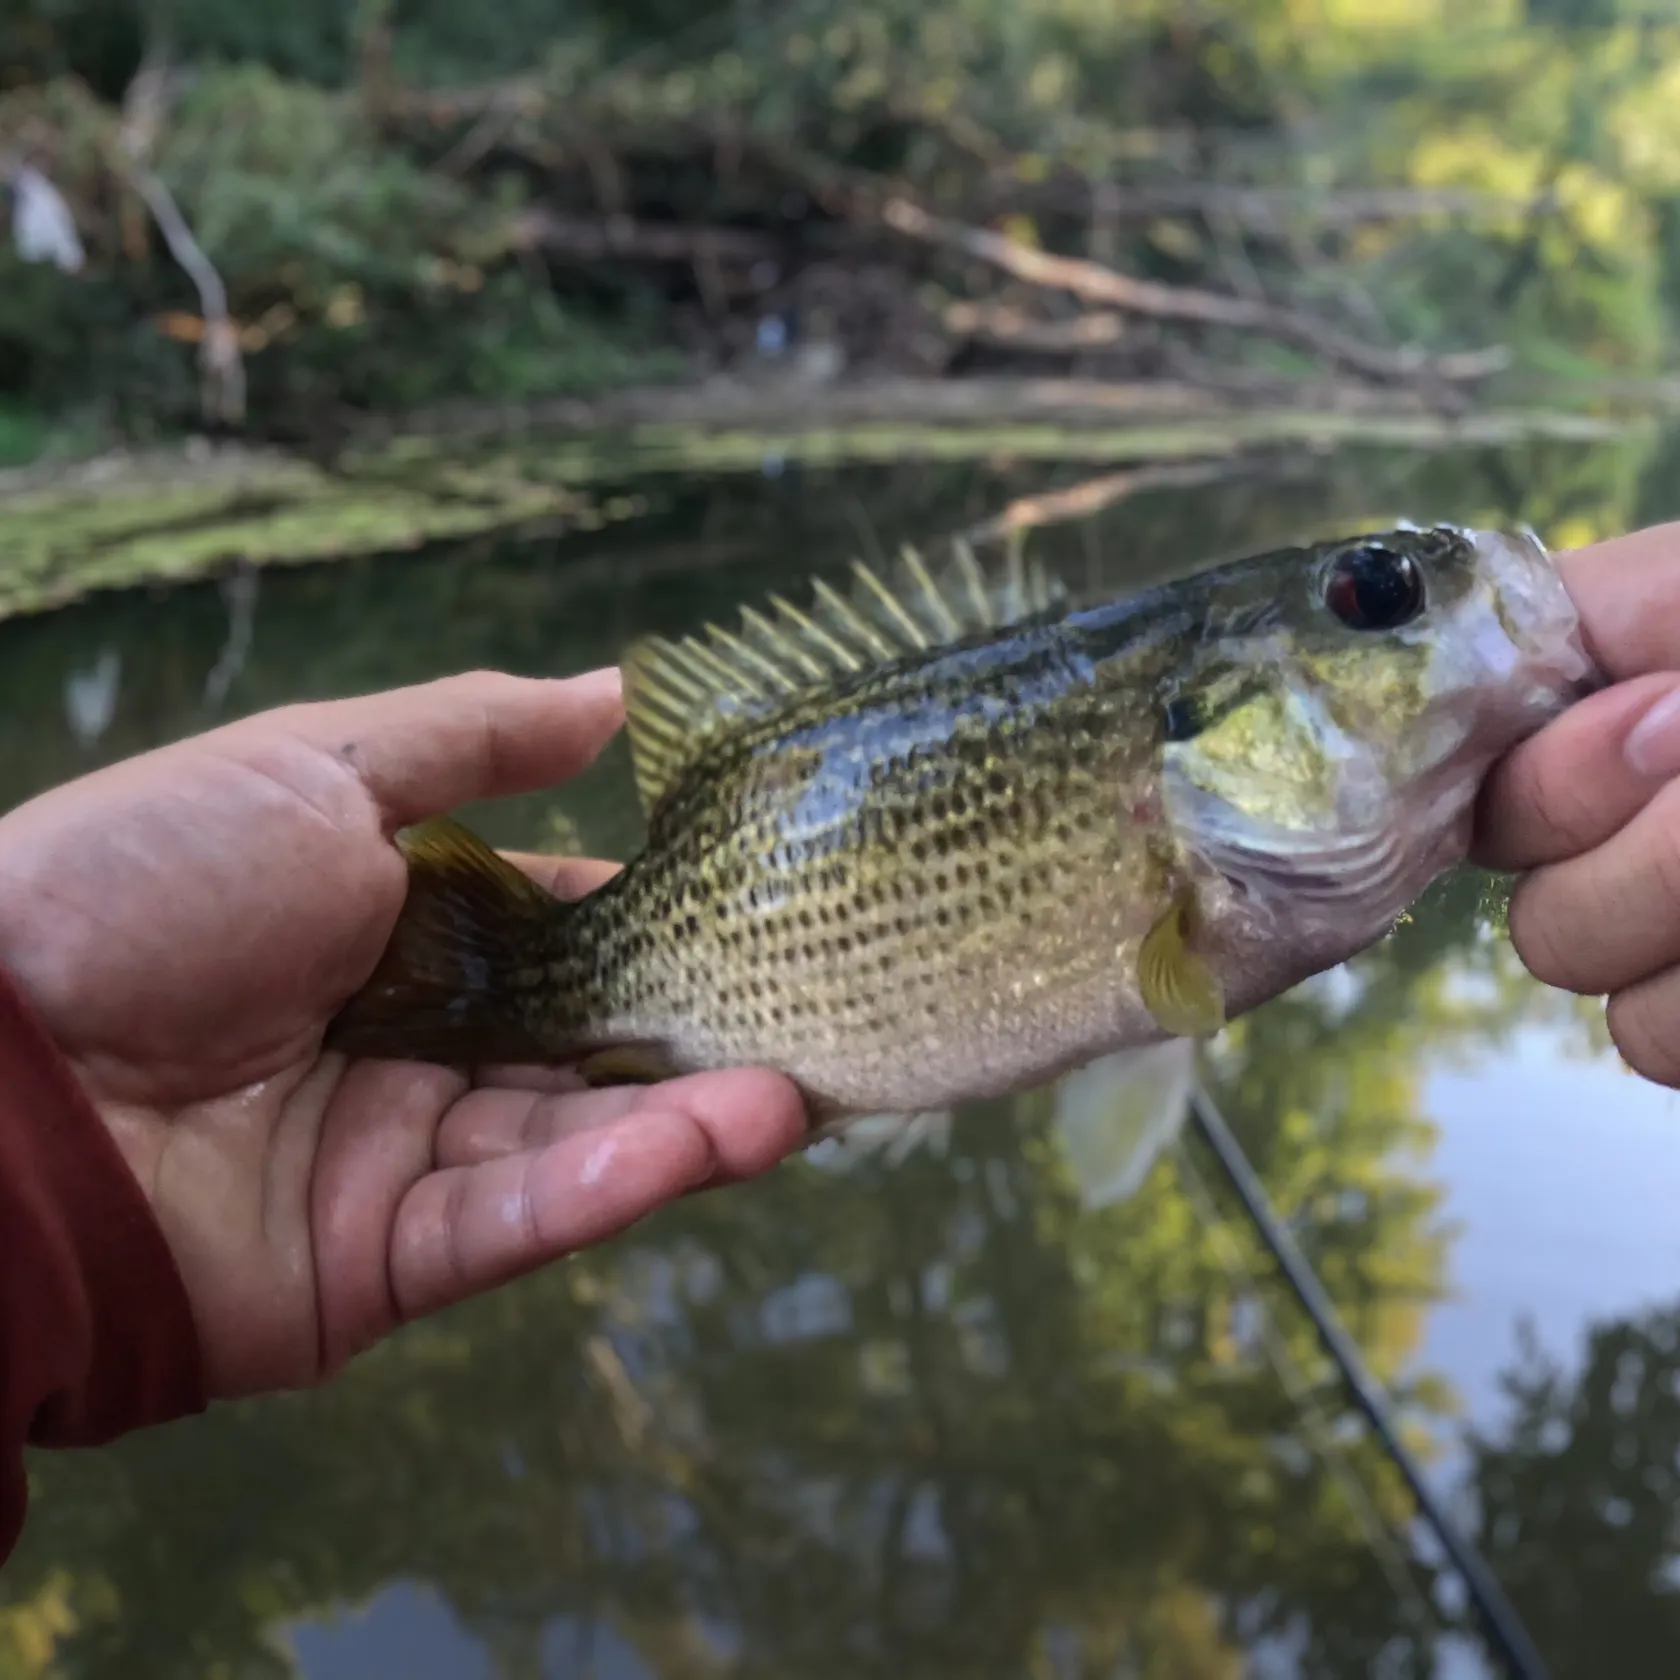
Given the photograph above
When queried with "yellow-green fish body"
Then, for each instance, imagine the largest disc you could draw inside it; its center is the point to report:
(950, 839)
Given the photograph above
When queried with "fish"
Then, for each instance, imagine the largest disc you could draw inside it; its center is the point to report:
(952, 834)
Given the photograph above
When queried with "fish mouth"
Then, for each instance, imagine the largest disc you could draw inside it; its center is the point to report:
(1537, 615)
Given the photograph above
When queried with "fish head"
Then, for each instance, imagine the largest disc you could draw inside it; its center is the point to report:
(1340, 704)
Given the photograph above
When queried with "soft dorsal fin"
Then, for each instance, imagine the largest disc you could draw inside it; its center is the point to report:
(680, 695)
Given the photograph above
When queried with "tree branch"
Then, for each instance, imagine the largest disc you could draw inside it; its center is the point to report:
(1096, 284)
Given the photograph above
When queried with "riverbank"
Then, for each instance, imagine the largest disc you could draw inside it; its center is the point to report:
(217, 228)
(175, 512)
(422, 284)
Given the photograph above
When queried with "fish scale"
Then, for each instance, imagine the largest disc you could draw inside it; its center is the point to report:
(949, 837)
(824, 872)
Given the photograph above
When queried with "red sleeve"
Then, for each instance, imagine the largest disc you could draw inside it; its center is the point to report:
(96, 1332)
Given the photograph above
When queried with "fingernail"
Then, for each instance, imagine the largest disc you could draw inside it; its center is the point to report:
(1653, 744)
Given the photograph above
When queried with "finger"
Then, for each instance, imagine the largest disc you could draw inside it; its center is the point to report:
(496, 1120)
(466, 1229)
(463, 1230)
(564, 877)
(752, 1117)
(428, 749)
(1643, 1021)
(1610, 917)
(1570, 787)
(1627, 592)
(376, 1144)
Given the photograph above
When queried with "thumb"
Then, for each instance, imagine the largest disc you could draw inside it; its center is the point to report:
(1582, 778)
(482, 735)
(1593, 809)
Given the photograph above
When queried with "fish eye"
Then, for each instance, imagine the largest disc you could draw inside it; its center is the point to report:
(1374, 587)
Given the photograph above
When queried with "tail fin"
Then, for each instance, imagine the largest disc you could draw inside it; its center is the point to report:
(457, 979)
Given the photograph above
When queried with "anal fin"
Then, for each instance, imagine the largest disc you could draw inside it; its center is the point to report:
(889, 1138)
(1115, 1115)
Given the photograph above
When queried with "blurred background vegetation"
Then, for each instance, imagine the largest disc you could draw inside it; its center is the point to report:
(932, 1421)
(411, 202)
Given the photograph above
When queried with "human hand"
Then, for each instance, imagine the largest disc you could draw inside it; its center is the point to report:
(1589, 808)
(188, 922)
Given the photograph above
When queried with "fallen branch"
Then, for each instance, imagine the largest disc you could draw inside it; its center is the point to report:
(1264, 210)
(1258, 208)
(1180, 362)
(1097, 284)
(1092, 495)
(1011, 329)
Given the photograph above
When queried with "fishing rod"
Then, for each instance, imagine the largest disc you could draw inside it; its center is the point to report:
(1504, 1627)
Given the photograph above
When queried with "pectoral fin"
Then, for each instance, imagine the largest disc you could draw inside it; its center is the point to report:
(1178, 987)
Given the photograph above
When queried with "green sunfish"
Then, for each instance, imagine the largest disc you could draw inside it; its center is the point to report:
(953, 835)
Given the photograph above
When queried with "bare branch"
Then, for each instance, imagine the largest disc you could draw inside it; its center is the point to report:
(1097, 284)
(221, 368)
(1091, 495)
(1013, 329)
(145, 105)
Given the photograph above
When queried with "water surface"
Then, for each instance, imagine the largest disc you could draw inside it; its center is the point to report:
(932, 1419)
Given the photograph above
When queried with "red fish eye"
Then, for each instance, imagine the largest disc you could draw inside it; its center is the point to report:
(1372, 587)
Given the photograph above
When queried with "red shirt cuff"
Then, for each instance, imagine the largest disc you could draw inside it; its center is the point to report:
(96, 1331)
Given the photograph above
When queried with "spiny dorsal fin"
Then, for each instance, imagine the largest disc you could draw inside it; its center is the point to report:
(680, 695)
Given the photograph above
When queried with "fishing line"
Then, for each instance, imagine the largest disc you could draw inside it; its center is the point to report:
(1504, 1628)
(1301, 1392)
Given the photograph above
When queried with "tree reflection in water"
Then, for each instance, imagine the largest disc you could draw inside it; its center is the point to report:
(928, 1419)
(925, 1420)
(1580, 1499)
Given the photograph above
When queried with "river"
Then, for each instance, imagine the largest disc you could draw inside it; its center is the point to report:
(931, 1418)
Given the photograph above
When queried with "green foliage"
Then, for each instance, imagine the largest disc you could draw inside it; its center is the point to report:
(288, 179)
(356, 275)
(23, 435)
(367, 235)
